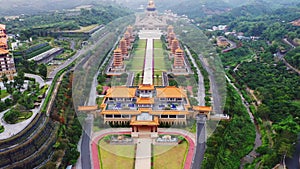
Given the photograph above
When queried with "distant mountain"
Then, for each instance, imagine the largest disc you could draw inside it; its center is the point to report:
(17, 7)
(189, 7)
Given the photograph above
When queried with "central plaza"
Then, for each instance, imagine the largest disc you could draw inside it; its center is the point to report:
(148, 52)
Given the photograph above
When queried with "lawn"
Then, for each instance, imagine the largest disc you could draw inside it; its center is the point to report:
(3, 94)
(166, 157)
(160, 62)
(136, 63)
(116, 156)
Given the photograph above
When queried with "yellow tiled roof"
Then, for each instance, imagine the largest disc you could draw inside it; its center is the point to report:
(124, 112)
(202, 108)
(2, 51)
(169, 112)
(121, 92)
(170, 92)
(146, 87)
(145, 100)
(87, 108)
(134, 122)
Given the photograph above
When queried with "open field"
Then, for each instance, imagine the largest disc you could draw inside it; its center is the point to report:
(136, 63)
(160, 62)
(3, 94)
(166, 157)
(116, 156)
(86, 28)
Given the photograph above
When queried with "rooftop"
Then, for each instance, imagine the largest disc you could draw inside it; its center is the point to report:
(202, 108)
(170, 92)
(3, 52)
(2, 27)
(145, 100)
(121, 92)
(146, 87)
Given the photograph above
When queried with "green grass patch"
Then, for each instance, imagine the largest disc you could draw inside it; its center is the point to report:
(136, 62)
(3, 94)
(1, 129)
(14, 116)
(166, 157)
(116, 156)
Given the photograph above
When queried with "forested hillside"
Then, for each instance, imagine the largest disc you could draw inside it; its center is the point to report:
(42, 24)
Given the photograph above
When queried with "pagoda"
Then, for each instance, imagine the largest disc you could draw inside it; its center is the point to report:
(179, 67)
(174, 46)
(123, 47)
(118, 59)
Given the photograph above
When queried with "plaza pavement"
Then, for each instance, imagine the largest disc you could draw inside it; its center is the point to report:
(148, 65)
(143, 153)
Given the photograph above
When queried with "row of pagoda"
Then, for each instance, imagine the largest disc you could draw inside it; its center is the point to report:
(175, 52)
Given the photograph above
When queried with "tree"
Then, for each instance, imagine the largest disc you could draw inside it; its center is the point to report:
(42, 70)
(263, 111)
(19, 80)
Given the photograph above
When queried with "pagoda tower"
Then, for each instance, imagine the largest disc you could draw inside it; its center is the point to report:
(118, 58)
(179, 58)
(127, 38)
(174, 46)
(170, 30)
(7, 65)
(130, 31)
(171, 37)
(123, 47)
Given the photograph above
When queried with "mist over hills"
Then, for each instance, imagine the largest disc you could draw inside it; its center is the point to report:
(17, 7)
(191, 7)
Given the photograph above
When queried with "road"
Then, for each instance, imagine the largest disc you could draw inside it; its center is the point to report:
(201, 142)
(37, 78)
(285, 40)
(201, 88)
(217, 100)
(231, 47)
(73, 58)
(258, 142)
(294, 162)
(85, 148)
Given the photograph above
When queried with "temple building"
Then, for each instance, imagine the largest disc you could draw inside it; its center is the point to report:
(127, 38)
(171, 37)
(7, 65)
(150, 20)
(179, 58)
(179, 67)
(124, 47)
(145, 107)
(170, 30)
(118, 59)
(130, 31)
(174, 46)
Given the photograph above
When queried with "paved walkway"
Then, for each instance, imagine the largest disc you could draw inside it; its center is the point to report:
(143, 153)
(148, 63)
